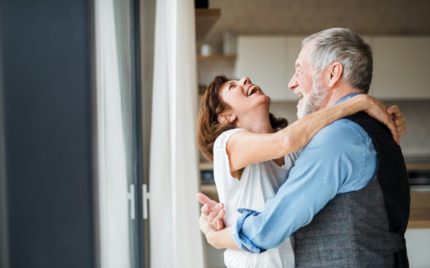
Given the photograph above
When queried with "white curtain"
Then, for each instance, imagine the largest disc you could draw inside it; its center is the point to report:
(112, 132)
(174, 232)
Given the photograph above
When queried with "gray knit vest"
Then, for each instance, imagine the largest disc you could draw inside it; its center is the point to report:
(364, 228)
(351, 231)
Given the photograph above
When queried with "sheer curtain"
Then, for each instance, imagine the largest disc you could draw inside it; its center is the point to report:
(175, 235)
(115, 133)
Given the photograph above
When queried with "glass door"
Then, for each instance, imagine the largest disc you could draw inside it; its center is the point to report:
(118, 133)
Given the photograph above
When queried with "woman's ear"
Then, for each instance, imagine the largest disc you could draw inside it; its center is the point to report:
(335, 73)
(226, 117)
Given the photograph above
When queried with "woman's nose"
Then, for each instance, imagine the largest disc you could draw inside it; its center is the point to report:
(245, 80)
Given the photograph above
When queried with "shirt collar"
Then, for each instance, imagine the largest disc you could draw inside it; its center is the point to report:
(344, 98)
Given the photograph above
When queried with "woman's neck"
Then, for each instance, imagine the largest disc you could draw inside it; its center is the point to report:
(256, 124)
(259, 124)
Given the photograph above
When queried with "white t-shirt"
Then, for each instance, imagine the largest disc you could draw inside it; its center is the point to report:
(258, 183)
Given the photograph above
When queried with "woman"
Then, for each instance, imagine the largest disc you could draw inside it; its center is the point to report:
(250, 167)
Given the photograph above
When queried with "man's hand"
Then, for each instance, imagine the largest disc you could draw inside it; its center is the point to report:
(212, 214)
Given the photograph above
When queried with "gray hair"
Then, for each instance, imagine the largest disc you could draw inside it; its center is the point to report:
(346, 47)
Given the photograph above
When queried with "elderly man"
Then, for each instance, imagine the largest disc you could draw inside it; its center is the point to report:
(346, 200)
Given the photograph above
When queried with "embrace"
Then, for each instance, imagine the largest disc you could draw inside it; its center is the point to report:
(329, 190)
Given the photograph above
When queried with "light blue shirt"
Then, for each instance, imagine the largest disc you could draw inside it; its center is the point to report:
(340, 158)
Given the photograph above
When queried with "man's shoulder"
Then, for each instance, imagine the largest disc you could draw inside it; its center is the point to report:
(339, 133)
(345, 149)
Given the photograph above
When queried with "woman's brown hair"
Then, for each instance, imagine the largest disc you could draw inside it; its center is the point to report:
(208, 127)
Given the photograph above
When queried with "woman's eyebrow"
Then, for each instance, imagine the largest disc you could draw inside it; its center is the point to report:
(230, 84)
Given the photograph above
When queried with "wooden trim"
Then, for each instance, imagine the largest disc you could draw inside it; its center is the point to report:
(205, 20)
(216, 58)
(420, 210)
(418, 166)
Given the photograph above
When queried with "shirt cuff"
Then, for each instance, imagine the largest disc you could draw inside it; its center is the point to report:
(241, 240)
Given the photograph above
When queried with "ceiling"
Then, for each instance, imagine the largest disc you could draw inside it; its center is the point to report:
(294, 17)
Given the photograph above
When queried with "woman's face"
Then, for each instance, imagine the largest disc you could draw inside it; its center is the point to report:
(244, 97)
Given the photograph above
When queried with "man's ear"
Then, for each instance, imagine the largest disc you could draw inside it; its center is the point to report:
(226, 117)
(335, 72)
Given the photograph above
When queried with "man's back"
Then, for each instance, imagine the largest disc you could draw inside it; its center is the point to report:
(362, 228)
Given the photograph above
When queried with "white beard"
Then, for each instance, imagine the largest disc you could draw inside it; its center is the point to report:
(311, 103)
(304, 107)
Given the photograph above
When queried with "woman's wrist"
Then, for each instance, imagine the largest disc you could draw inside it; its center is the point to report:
(357, 104)
(365, 101)
(211, 237)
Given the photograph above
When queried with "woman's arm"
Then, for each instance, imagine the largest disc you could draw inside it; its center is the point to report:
(246, 148)
(221, 239)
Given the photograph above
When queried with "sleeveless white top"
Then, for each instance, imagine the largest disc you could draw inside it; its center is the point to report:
(259, 182)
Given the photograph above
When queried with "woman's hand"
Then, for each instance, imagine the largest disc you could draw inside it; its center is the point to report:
(379, 111)
(212, 225)
(398, 118)
(212, 214)
(208, 227)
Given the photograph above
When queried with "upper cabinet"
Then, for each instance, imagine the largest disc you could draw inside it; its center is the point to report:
(401, 65)
(269, 62)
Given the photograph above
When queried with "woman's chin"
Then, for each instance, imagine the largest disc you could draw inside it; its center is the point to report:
(266, 98)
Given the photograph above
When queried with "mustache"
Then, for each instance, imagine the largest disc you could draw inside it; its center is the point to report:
(299, 91)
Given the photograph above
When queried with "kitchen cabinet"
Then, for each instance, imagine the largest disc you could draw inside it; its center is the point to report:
(401, 67)
(269, 62)
(418, 245)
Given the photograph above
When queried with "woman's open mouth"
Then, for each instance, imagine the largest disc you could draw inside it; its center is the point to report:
(252, 90)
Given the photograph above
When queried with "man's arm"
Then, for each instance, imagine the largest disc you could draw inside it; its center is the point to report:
(341, 158)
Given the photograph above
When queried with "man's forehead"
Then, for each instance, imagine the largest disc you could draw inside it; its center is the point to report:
(302, 58)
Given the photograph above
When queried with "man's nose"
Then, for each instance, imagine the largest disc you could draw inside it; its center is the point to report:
(293, 83)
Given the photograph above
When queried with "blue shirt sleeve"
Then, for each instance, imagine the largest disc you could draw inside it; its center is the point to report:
(340, 158)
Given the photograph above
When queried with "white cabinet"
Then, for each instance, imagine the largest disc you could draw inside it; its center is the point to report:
(269, 62)
(418, 244)
(401, 67)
